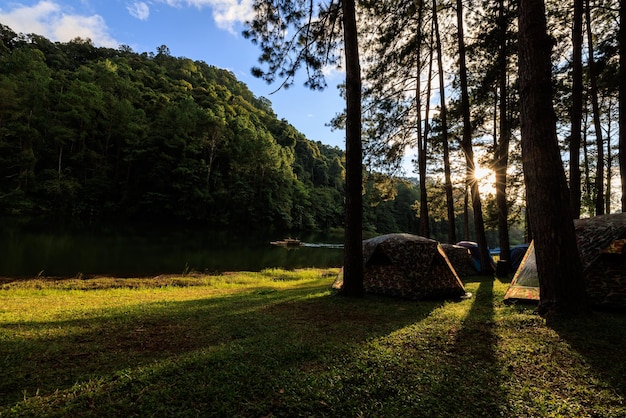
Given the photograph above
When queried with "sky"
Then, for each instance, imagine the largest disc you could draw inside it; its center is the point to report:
(203, 30)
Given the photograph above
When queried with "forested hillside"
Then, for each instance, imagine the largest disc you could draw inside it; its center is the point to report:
(93, 134)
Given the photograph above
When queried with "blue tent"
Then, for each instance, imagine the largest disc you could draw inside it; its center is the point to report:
(517, 255)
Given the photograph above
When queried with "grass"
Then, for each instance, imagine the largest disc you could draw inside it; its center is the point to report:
(281, 343)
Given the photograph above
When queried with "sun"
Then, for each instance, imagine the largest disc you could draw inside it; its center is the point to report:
(486, 180)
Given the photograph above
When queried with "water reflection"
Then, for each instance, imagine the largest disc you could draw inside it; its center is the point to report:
(152, 250)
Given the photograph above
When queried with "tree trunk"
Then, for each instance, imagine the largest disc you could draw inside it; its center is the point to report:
(443, 114)
(502, 148)
(599, 199)
(576, 112)
(622, 100)
(353, 245)
(424, 215)
(588, 195)
(466, 145)
(421, 145)
(558, 262)
(609, 158)
(466, 229)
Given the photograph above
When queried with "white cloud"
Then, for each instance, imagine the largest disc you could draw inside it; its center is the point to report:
(229, 12)
(139, 10)
(226, 13)
(30, 19)
(68, 27)
(47, 18)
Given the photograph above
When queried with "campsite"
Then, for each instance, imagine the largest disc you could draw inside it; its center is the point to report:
(441, 179)
(282, 343)
(430, 338)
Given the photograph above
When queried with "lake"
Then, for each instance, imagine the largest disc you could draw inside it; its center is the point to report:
(152, 250)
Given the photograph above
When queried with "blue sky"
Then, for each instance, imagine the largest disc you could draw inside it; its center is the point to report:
(206, 30)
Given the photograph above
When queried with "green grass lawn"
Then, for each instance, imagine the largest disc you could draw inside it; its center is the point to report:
(282, 343)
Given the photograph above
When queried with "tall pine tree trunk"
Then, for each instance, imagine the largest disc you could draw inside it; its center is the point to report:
(502, 148)
(609, 161)
(588, 195)
(421, 139)
(353, 244)
(466, 145)
(427, 127)
(599, 196)
(622, 101)
(443, 114)
(558, 262)
(576, 112)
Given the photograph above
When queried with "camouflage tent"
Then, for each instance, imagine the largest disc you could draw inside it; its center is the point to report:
(409, 266)
(600, 244)
(461, 259)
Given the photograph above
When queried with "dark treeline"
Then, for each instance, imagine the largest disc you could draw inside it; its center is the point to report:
(95, 134)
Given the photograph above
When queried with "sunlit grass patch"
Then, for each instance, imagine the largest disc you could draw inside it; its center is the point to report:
(282, 343)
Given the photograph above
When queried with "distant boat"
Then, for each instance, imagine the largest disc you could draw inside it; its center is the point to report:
(288, 242)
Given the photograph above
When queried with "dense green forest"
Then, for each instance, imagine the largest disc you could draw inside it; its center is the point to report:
(94, 134)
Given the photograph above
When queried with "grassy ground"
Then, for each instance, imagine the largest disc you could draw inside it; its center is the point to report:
(279, 343)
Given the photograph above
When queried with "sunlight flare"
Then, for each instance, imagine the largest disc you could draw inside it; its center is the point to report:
(486, 178)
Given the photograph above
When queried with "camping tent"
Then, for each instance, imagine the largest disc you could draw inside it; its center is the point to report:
(461, 260)
(474, 251)
(409, 266)
(525, 283)
(517, 255)
(600, 243)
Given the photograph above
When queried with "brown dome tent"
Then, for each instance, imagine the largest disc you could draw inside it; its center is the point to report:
(409, 266)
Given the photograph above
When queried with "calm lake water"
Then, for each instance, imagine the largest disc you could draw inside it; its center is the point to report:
(150, 250)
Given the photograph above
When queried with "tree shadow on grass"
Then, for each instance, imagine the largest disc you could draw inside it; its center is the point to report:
(443, 366)
(225, 355)
(597, 339)
(471, 375)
